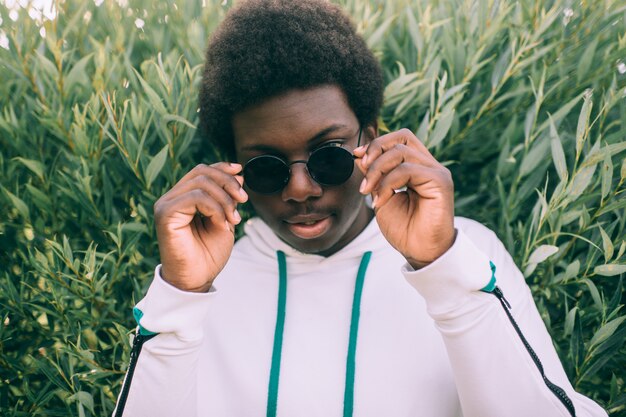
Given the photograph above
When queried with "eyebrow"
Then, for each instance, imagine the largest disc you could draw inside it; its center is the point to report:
(319, 135)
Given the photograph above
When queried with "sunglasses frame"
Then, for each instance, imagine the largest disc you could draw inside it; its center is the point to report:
(302, 161)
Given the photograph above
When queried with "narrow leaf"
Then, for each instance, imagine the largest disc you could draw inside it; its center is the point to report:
(19, 204)
(583, 122)
(609, 270)
(607, 175)
(558, 156)
(35, 166)
(606, 331)
(422, 131)
(607, 245)
(442, 127)
(581, 181)
(155, 165)
(542, 253)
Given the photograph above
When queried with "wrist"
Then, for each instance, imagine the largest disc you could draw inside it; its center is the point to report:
(203, 288)
(421, 261)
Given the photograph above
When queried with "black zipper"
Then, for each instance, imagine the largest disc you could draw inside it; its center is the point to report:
(134, 356)
(556, 390)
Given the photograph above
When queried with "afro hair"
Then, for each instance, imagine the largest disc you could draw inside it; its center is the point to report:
(267, 47)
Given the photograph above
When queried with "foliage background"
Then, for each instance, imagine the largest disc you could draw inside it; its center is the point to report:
(524, 100)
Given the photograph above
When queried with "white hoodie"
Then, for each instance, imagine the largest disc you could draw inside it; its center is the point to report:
(429, 342)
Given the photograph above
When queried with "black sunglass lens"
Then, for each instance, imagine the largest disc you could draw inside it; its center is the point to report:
(331, 165)
(266, 174)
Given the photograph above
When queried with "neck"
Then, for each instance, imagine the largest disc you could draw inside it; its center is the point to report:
(361, 221)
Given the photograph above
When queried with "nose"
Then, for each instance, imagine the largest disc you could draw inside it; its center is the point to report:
(301, 186)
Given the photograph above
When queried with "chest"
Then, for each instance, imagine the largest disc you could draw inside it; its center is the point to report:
(400, 366)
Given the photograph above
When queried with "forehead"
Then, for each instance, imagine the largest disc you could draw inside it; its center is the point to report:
(293, 118)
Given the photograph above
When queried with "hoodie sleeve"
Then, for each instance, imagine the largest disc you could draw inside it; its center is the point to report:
(161, 378)
(489, 345)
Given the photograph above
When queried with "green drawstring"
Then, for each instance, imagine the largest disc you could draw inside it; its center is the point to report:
(272, 396)
(348, 396)
(348, 399)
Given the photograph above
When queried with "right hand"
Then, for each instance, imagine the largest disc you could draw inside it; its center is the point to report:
(195, 225)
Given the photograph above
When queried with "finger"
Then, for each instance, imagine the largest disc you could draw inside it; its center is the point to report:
(388, 161)
(386, 142)
(230, 168)
(230, 183)
(219, 194)
(427, 182)
(191, 203)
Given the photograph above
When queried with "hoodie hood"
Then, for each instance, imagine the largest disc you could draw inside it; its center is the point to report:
(259, 238)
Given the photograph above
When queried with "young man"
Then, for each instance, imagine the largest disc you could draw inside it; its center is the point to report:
(327, 306)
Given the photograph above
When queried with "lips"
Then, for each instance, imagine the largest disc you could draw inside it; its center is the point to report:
(309, 226)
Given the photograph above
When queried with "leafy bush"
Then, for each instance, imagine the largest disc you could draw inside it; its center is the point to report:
(525, 101)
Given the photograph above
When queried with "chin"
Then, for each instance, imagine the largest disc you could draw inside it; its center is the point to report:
(318, 246)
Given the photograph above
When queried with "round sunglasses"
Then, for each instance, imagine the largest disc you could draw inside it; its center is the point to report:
(328, 165)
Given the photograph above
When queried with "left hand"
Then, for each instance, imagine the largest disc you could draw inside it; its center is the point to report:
(419, 221)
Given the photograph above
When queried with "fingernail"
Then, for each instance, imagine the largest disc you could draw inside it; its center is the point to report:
(242, 193)
(360, 148)
(364, 160)
(237, 216)
(374, 201)
(363, 185)
(227, 225)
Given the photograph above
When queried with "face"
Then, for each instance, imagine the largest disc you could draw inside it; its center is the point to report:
(310, 217)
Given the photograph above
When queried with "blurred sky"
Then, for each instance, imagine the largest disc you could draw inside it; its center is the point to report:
(37, 9)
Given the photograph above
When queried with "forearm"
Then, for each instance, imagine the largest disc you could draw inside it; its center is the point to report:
(162, 374)
(495, 372)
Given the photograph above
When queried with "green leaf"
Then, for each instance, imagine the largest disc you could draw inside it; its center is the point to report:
(41, 200)
(83, 398)
(153, 97)
(19, 204)
(558, 116)
(599, 154)
(529, 121)
(377, 36)
(442, 127)
(67, 250)
(581, 181)
(78, 73)
(558, 156)
(622, 249)
(586, 59)
(500, 68)
(583, 122)
(542, 253)
(570, 320)
(572, 270)
(156, 165)
(176, 118)
(595, 294)
(534, 157)
(604, 332)
(414, 30)
(609, 270)
(607, 175)
(35, 166)
(607, 245)
(422, 131)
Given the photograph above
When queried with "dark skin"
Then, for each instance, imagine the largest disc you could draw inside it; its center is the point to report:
(292, 126)
(195, 219)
